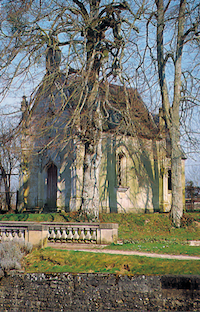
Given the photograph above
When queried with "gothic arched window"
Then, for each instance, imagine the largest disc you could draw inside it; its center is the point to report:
(121, 169)
(51, 186)
(169, 180)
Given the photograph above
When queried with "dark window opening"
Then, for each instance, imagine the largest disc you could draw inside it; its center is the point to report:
(120, 169)
(51, 186)
(169, 180)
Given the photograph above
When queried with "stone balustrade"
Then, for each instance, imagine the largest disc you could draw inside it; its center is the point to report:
(73, 233)
(12, 233)
(99, 233)
(37, 233)
(34, 233)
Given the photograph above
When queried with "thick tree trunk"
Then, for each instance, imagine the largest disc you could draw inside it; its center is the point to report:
(92, 155)
(91, 170)
(171, 115)
(177, 191)
(97, 50)
(176, 169)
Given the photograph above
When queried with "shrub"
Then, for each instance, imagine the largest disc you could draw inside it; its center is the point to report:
(186, 221)
(11, 253)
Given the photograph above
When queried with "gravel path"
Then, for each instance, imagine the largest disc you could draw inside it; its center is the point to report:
(99, 249)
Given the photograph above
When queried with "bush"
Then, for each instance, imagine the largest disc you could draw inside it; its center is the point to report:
(11, 254)
(186, 221)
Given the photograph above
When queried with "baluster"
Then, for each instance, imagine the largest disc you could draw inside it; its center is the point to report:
(82, 235)
(21, 235)
(64, 235)
(76, 236)
(4, 237)
(94, 235)
(52, 235)
(70, 234)
(88, 235)
(58, 234)
(15, 235)
(10, 237)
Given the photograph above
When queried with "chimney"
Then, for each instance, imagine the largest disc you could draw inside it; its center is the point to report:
(24, 110)
(161, 121)
(24, 105)
(53, 56)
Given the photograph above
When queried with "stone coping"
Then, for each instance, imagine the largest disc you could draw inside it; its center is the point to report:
(46, 224)
(23, 225)
(84, 224)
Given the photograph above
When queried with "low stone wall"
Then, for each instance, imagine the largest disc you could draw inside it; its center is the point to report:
(98, 292)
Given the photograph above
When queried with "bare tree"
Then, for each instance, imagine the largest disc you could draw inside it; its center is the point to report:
(9, 162)
(89, 34)
(172, 43)
(184, 33)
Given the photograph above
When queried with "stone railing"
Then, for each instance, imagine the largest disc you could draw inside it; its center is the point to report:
(37, 233)
(83, 232)
(32, 232)
(12, 233)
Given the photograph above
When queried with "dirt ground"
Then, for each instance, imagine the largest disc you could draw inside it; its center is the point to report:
(99, 249)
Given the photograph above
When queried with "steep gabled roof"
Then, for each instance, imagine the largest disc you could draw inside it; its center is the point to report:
(128, 101)
(120, 105)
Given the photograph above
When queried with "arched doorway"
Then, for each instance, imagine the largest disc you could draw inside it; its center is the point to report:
(51, 186)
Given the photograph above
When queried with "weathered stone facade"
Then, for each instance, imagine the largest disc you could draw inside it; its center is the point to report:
(98, 292)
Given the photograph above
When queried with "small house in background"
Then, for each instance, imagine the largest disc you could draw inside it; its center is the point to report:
(192, 194)
(134, 174)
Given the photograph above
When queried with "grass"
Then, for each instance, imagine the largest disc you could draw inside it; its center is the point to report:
(37, 217)
(57, 261)
(141, 232)
(133, 228)
(154, 227)
(164, 247)
(154, 233)
(145, 227)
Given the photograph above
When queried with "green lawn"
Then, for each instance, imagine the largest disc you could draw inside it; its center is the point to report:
(132, 227)
(141, 232)
(160, 248)
(37, 217)
(54, 260)
(155, 233)
(154, 227)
